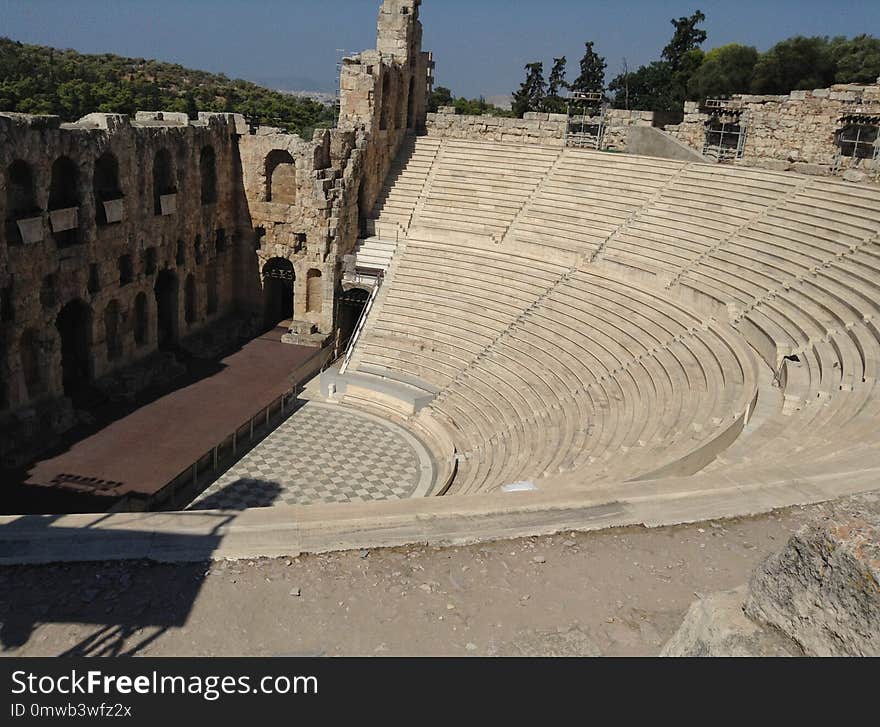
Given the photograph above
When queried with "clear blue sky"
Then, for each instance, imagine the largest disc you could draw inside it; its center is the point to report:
(479, 46)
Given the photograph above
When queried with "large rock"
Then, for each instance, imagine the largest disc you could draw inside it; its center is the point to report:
(823, 588)
(716, 626)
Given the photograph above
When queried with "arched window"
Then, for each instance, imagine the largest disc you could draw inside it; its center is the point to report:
(208, 169)
(314, 291)
(105, 186)
(280, 177)
(190, 308)
(385, 108)
(163, 178)
(111, 331)
(21, 199)
(21, 196)
(141, 320)
(29, 349)
(64, 188)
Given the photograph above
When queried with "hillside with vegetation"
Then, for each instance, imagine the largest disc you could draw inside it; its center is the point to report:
(37, 79)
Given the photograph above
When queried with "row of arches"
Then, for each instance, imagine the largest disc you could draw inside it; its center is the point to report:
(278, 291)
(76, 330)
(65, 191)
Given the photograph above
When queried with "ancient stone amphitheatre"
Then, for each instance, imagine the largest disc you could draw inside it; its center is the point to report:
(531, 335)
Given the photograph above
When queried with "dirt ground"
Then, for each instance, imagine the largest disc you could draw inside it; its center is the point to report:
(615, 592)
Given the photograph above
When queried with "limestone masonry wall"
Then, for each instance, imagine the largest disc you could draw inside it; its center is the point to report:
(122, 235)
(795, 132)
(533, 127)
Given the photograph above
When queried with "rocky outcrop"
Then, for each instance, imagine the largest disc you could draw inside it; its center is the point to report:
(820, 595)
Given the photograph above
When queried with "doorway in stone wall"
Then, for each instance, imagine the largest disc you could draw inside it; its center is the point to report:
(167, 309)
(278, 277)
(74, 324)
(351, 307)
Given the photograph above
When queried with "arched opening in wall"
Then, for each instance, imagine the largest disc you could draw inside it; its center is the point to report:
(314, 291)
(190, 303)
(21, 199)
(141, 319)
(111, 331)
(74, 324)
(31, 363)
(351, 307)
(167, 311)
(64, 201)
(280, 177)
(385, 110)
(411, 104)
(163, 178)
(211, 290)
(108, 193)
(278, 277)
(208, 169)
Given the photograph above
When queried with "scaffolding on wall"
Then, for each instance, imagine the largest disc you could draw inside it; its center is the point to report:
(858, 142)
(586, 119)
(725, 132)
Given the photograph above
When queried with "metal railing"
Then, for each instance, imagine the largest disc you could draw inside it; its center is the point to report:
(349, 349)
(184, 487)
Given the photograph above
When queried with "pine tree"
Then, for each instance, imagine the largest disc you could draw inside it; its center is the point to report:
(531, 93)
(592, 76)
(554, 102)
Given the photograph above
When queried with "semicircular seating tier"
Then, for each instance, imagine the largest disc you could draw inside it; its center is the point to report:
(586, 318)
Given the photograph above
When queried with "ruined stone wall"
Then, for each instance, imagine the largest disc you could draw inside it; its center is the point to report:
(95, 238)
(136, 207)
(533, 128)
(338, 174)
(795, 132)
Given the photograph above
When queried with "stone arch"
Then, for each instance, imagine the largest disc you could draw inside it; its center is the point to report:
(64, 186)
(64, 194)
(112, 339)
(208, 172)
(314, 292)
(105, 185)
(163, 178)
(30, 353)
(280, 177)
(190, 300)
(141, 319)
(167, 310)
(278, 277)
(21, 198)
(74, 324)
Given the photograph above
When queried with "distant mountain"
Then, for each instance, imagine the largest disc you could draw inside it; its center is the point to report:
(502, 101)
(41, 80)
(296, 84)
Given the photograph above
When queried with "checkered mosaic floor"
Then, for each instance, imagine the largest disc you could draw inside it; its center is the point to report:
(323, 454)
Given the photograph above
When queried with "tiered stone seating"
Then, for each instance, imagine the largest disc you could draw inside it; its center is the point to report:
(480, 187)
(405, 182)
(701, 207)
(520, 299)
(587, 197)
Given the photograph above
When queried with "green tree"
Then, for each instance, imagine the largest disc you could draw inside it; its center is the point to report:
(531, 93)
(686, 38)
(592, 72)
(857, 60)
(725, 70)
(795, 63)
(554, 102)
(440, 96)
